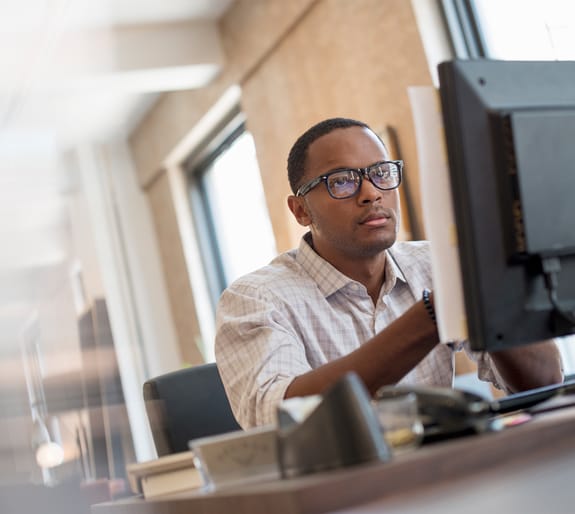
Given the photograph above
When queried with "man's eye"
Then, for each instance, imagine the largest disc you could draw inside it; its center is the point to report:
(381, 173)
(341, 180)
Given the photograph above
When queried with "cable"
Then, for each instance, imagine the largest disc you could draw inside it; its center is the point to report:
(551, 268)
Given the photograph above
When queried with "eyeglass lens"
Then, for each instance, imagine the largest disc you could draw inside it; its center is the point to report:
(345, 183)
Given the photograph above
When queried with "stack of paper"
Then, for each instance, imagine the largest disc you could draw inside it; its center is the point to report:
(166, 475)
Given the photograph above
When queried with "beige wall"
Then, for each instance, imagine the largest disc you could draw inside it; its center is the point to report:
(296, 62)
(344, 58)
(249, 32)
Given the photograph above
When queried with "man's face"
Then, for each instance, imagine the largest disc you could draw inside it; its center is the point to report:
(357, 227)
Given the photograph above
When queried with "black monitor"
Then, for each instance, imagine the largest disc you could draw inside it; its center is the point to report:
(510, 134)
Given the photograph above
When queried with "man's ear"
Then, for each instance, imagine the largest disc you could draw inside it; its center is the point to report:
(298, 208)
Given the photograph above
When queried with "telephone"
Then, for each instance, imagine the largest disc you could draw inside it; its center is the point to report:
(445, 412)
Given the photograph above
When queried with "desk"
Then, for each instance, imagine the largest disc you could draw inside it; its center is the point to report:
(529, 468)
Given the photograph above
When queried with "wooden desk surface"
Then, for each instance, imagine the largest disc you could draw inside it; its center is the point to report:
(528, 468)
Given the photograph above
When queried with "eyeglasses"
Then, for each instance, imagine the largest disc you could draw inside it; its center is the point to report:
(346, 182)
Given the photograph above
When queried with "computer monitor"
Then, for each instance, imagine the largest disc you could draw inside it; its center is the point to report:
(510, 134)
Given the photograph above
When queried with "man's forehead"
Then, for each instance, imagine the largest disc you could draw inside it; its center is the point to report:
(345, 133)
(351, 146)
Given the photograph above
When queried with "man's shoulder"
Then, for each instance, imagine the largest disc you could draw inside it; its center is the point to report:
(414, 260)
(411, 250)
(283, 269)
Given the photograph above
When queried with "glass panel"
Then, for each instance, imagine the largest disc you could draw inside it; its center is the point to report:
(239, 209)
(528, 29)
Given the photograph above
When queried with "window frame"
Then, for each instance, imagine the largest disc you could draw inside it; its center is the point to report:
(196, 167)
(466, 35)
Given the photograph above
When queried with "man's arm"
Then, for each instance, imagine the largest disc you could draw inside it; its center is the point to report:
(385, 359)
(529, 366)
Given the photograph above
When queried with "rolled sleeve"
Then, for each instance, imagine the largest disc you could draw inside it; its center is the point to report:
(257, 351)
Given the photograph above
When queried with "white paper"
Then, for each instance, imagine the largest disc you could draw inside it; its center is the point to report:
(437, 207)
(300, 407)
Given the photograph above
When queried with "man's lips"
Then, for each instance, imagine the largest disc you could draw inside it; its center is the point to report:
(375, 220)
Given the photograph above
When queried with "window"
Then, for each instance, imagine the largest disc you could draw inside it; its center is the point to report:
(512, 29)
(229, 207)
(545, 30)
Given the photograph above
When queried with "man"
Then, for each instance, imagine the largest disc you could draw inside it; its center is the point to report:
(350, 298)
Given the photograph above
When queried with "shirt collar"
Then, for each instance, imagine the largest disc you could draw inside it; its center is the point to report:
(392, 267)
(329, 279)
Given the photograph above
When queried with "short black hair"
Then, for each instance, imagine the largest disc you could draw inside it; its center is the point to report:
(298, 153)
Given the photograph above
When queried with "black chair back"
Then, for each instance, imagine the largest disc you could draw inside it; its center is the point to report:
(187, 404)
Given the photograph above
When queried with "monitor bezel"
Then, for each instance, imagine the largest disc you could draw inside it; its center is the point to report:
(505, 300)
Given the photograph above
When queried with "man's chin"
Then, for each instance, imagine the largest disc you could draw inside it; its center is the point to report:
(376, 247)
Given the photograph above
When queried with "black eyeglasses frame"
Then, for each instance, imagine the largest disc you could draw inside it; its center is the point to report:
(363, 172)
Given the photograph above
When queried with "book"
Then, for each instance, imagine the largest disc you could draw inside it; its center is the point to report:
(170, 482)
(165, 475)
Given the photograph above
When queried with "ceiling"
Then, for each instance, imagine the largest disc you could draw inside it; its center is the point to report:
(75, 72)
(86, 69)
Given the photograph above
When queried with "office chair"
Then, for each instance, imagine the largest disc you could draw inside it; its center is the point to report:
(187, 404)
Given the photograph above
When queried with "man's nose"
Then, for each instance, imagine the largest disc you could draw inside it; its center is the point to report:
(368, 192)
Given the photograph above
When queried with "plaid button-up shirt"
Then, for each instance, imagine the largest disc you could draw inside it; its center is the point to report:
(299, 313)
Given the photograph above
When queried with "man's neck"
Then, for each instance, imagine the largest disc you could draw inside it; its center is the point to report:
(369, 271)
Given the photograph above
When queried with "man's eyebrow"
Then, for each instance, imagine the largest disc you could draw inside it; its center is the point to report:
(355, 167)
